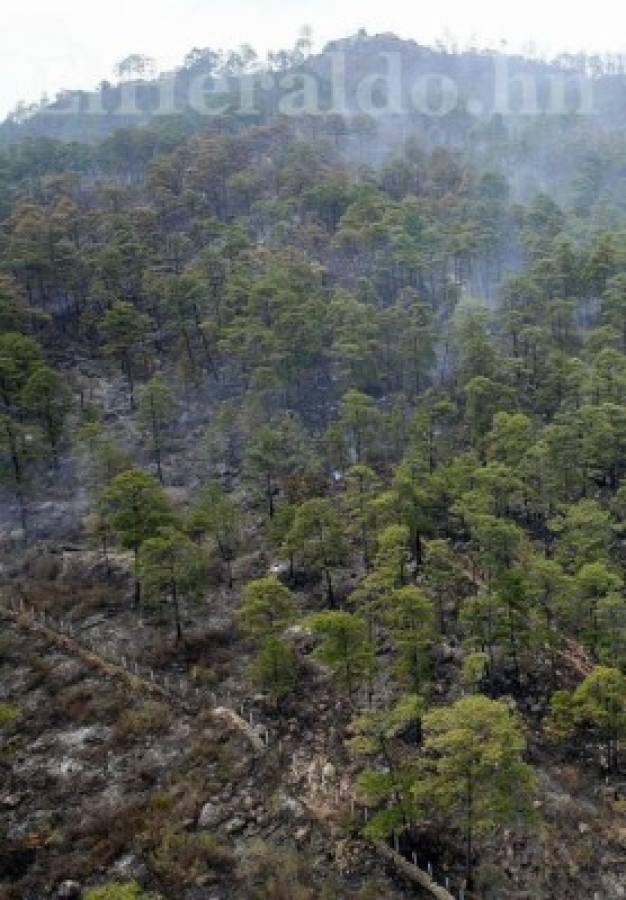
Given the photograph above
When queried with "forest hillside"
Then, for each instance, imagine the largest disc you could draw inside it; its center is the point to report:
(313, 503)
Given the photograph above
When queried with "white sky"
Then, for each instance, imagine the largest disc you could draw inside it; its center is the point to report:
(46, 45)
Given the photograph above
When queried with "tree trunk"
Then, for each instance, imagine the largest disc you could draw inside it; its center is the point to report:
(23, 514)
(330, 594)
(179, 630)
(418, 549)
(269, 491)
(156, 443)
(137, 599)
(469, 831)
(229, 569)
(17, 476)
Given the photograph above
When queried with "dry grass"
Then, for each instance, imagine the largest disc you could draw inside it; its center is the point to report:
(184, 859)
(150, 717)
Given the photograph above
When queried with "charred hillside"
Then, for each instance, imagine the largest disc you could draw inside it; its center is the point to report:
(312, 445)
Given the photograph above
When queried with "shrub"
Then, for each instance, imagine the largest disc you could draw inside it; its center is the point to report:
(128, 890)
(9, 713)
(183, 858)
(150, 717)
(276, 873)
(275, 668)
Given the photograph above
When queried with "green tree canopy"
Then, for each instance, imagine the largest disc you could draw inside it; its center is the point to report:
(474, 775)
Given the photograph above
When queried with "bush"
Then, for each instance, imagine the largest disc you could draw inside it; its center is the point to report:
(128, 890)
(204, 676)
(9, 713)
(148, 718)
(275, 668)
(275, 873)
(6, 647)
(84, 702)
(183, 858)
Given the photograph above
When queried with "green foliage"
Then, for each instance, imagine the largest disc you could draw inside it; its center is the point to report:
(13, 311)
(392, 554)
(443, 578)
(156, 410)
(125, 329)
(345, 648)
(149, 718)
(317, 537)
(375, 732)
(20, 357)
(474, 666)
(599, 704)
(103, 458)
(181, 858)
(584, 534)
(9, 713)
(451, 468)
(360, 423)
(273, 453)
(171, 565)
(137, 507)
(216, 515)
(393, 792)
(510, 437)
(474, 773)
(120, 890)
(44, 396)
(20, 447)
(268, 608)
(411, 617)
(275, 668)
(127, 890)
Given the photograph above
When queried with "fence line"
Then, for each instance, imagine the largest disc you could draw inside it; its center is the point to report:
(114, 664)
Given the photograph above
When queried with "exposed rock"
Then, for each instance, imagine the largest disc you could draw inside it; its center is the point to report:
(291, 807)
(129, 867)
(302, 834)
(210, 815)
(234, 826)
(68, 890)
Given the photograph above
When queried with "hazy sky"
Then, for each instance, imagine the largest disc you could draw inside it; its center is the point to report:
(46, 45)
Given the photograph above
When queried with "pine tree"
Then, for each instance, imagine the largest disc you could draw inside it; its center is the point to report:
(172, 566)
(136, 507)
(474, 775)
